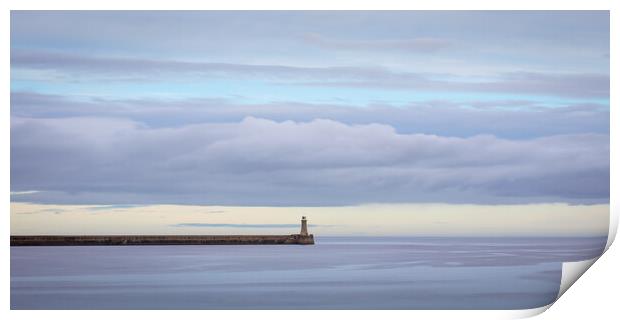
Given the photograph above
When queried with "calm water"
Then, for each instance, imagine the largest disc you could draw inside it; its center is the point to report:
(336, 273)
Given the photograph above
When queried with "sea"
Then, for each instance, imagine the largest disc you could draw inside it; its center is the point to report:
(335, 273)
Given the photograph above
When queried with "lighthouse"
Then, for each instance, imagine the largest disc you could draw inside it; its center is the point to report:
(304, 226)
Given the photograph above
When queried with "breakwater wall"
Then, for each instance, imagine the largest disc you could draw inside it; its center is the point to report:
(160, 240)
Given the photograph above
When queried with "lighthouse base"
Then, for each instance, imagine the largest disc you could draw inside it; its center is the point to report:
(301, 239)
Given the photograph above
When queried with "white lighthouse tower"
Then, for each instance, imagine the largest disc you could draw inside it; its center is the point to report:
(304, 226)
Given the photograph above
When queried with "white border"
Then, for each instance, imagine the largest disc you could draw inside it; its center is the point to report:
(314, 5)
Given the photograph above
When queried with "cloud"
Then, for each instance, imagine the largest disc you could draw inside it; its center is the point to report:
(108, 207)
(235, 225)
(18, 193)
(127, 68)
(49, 210)
(503, 118)
(245, 225)
(246, 33)
(97, 68)
(317, 163)
(459, 147)
(550, 84)
(417, 45)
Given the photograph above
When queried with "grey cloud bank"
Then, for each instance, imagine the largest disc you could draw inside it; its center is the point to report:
(233, 34)
(417, 45)
(515, 119)
(319, 108)
(74, 67)
(317, 163)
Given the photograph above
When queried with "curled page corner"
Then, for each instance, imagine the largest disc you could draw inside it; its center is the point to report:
(571, 271)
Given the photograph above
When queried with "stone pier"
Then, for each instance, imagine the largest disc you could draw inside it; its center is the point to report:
(121, 240)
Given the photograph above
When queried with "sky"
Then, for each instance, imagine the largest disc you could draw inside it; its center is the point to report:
(316, 111)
